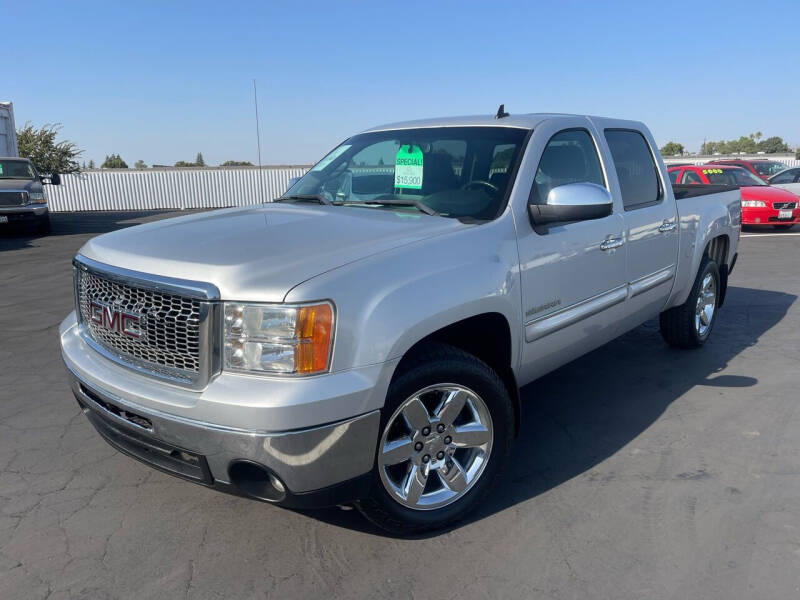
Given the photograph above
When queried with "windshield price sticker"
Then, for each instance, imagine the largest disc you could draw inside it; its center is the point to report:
(408, 168)
(708, 171)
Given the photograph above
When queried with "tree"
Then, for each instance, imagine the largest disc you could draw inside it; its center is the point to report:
(797, 154)
(139, 164)
(237, 163)
(671, 149)
(114, 161)
(41, 147)
(91, 164)
(183, 163)
(199, 162)
(774, 144)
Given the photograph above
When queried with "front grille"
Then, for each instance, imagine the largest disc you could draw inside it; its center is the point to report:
(784, 205)
(169, 325)
(13, 198)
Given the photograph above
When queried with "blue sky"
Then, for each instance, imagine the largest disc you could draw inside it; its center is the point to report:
(162, 81)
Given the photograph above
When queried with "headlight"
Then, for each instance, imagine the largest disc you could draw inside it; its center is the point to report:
(278, 338)
(37, 198)
(753, 204)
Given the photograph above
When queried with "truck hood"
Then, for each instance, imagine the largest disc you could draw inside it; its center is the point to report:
(259, 253)
(30, 185)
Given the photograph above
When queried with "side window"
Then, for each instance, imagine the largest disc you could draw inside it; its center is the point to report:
(691, 177)
(569, 157)
(673, 175)
(636, 169)
(788, 176)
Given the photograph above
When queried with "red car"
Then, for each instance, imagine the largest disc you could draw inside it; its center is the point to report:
(760, 167)
(761, 204)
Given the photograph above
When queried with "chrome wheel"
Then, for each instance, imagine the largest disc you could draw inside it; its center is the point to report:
(706, 304)
(435, 446)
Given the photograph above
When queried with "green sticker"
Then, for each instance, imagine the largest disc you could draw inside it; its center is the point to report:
(1, 169)
(408, 168)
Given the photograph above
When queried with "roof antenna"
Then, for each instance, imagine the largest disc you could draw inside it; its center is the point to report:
(501, 112)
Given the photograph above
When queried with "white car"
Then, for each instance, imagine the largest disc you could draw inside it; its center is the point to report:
(788, 180)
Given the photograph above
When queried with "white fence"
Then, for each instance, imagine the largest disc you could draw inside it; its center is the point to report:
(159, 189)
(789, 161)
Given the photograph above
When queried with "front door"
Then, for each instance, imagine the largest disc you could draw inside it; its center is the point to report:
(573, 274)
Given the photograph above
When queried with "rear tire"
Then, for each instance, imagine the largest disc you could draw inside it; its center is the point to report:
(456, 454)
(689, 325)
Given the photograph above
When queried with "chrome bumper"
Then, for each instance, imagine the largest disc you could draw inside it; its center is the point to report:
(27, 209)
(304, 461)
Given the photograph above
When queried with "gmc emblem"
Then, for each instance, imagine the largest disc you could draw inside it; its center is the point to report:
(115, 319)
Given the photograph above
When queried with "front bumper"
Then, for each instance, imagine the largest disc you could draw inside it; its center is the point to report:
(317, 464)
(767, 216)
(24, 213)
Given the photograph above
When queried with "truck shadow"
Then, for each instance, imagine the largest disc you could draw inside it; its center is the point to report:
(586, 411)
(80, 223)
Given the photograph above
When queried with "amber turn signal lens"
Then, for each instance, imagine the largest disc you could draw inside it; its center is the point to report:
(313, 331)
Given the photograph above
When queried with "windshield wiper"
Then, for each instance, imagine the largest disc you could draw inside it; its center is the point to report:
(400, 202)
(319, 198)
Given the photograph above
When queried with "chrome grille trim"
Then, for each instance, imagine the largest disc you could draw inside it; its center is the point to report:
(784, 205)
(180, 344)
(13, 197)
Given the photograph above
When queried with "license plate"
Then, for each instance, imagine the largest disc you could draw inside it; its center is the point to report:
(3, 219)
(782, 214)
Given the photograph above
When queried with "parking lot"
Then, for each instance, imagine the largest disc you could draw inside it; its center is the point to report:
(640, 472)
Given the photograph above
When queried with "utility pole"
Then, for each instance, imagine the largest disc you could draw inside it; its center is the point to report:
(258, 141)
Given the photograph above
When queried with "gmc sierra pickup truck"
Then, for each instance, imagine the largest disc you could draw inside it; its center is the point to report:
(363, 338)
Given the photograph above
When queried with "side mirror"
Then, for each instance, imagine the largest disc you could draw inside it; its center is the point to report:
(55, 179)
(572, 202)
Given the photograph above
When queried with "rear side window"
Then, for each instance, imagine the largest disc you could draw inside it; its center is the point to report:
(569, 157)
(691, 177)
(787, 176)
(636, 169)
(673, 176)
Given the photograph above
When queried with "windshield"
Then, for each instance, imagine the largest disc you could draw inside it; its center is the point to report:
(16, 169)
(768, 167)
(455, 171)
(732, 176)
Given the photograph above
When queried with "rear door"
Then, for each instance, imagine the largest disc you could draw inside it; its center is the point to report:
(650, 219)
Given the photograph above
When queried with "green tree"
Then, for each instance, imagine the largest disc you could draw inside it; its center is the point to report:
(797, 154)
(139, 164)
(671, 149)
(183, 163)
(91, 164)
(49, 155)
(237, 163)
(774, 144)
(114, 161)
(199, 162)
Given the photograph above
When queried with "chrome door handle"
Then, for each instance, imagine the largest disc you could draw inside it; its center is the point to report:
(611, 243)
(666, 227)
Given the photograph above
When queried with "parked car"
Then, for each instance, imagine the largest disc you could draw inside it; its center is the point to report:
(762, 204)
(788, 180)
(363, 338)
(762, 168)
(23, 200)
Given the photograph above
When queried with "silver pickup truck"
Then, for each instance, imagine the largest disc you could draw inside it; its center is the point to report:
(363, 338)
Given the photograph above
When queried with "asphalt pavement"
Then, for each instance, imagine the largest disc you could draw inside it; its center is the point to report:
(641, 472)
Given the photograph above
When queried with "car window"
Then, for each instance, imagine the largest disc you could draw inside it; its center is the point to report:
(673, 175)
(768, 167)
(787, 176)
(690, 177)
(569, 157)
(636, 169)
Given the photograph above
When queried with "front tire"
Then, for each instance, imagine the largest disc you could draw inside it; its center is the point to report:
(689, 325)
(445, 433)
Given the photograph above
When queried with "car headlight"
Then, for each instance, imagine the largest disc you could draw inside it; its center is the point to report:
(753, 204)
(278, 338)
(37, 198)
